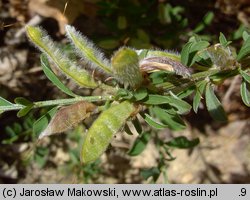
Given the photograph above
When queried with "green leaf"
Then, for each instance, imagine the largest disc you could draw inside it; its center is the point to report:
(102, 131)
(245, 35)
(40, 38)
(223, 40)
(186, 92)
(87, 49)
(127, 130)
(245, 76)
(139, 144)
(245, 50)
(154, 99)
(23, 101)
(207, 19)
(122, 22)
(185, 53)
(125, 64)
(198, 95)
(245, 93)
(53, 78)
(214, 106)
(153, 123)
(4, 102)
(181, 106)
(24, 111)
(137, 125)
(140, 94)
(182, 142)
(124, 94)
(151, 172)
(43, 121)
(189, 51)
(169, 118)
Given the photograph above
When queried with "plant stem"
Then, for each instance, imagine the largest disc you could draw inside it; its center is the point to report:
(60, 102)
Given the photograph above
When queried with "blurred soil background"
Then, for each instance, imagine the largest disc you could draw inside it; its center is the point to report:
(223, 155)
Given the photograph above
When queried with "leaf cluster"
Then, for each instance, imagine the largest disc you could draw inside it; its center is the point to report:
(142, 84)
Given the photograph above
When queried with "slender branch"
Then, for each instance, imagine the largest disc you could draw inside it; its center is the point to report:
(60, 102)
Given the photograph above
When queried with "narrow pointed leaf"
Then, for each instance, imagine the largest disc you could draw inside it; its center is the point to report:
(140, 144)
(43, 121)
(23, 101)
(245, 50)
(4, 102)
(140, 94)
(245, 35)
(189, 51)
(151, 172)
(223, 40)
(198, 95)
(245, 76)
(87, 49)
(153, 123)
(24, 111)
(53, 78)
(185, 53)
(169, 118)
(128, 130)
(245, 93)
(40, 38)
(181, 106)
(214, 106)
(183, 143)
(137, 125)
(68, 117)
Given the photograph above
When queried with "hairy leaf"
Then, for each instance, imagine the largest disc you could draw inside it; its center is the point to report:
(68, 67)
(125, 63)
(103, 129)
(153, 64)
(87, 50)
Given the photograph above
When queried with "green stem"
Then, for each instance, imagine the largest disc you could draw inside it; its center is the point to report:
(60, 102)
(195, 77)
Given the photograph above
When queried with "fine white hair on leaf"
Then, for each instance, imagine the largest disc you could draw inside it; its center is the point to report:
(41, 40)
(148, 53)
(125, 63)
(88, 51)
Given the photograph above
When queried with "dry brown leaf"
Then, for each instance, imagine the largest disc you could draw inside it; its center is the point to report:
(67, 117)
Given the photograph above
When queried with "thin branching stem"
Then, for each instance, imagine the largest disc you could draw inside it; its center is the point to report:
(58, 102)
